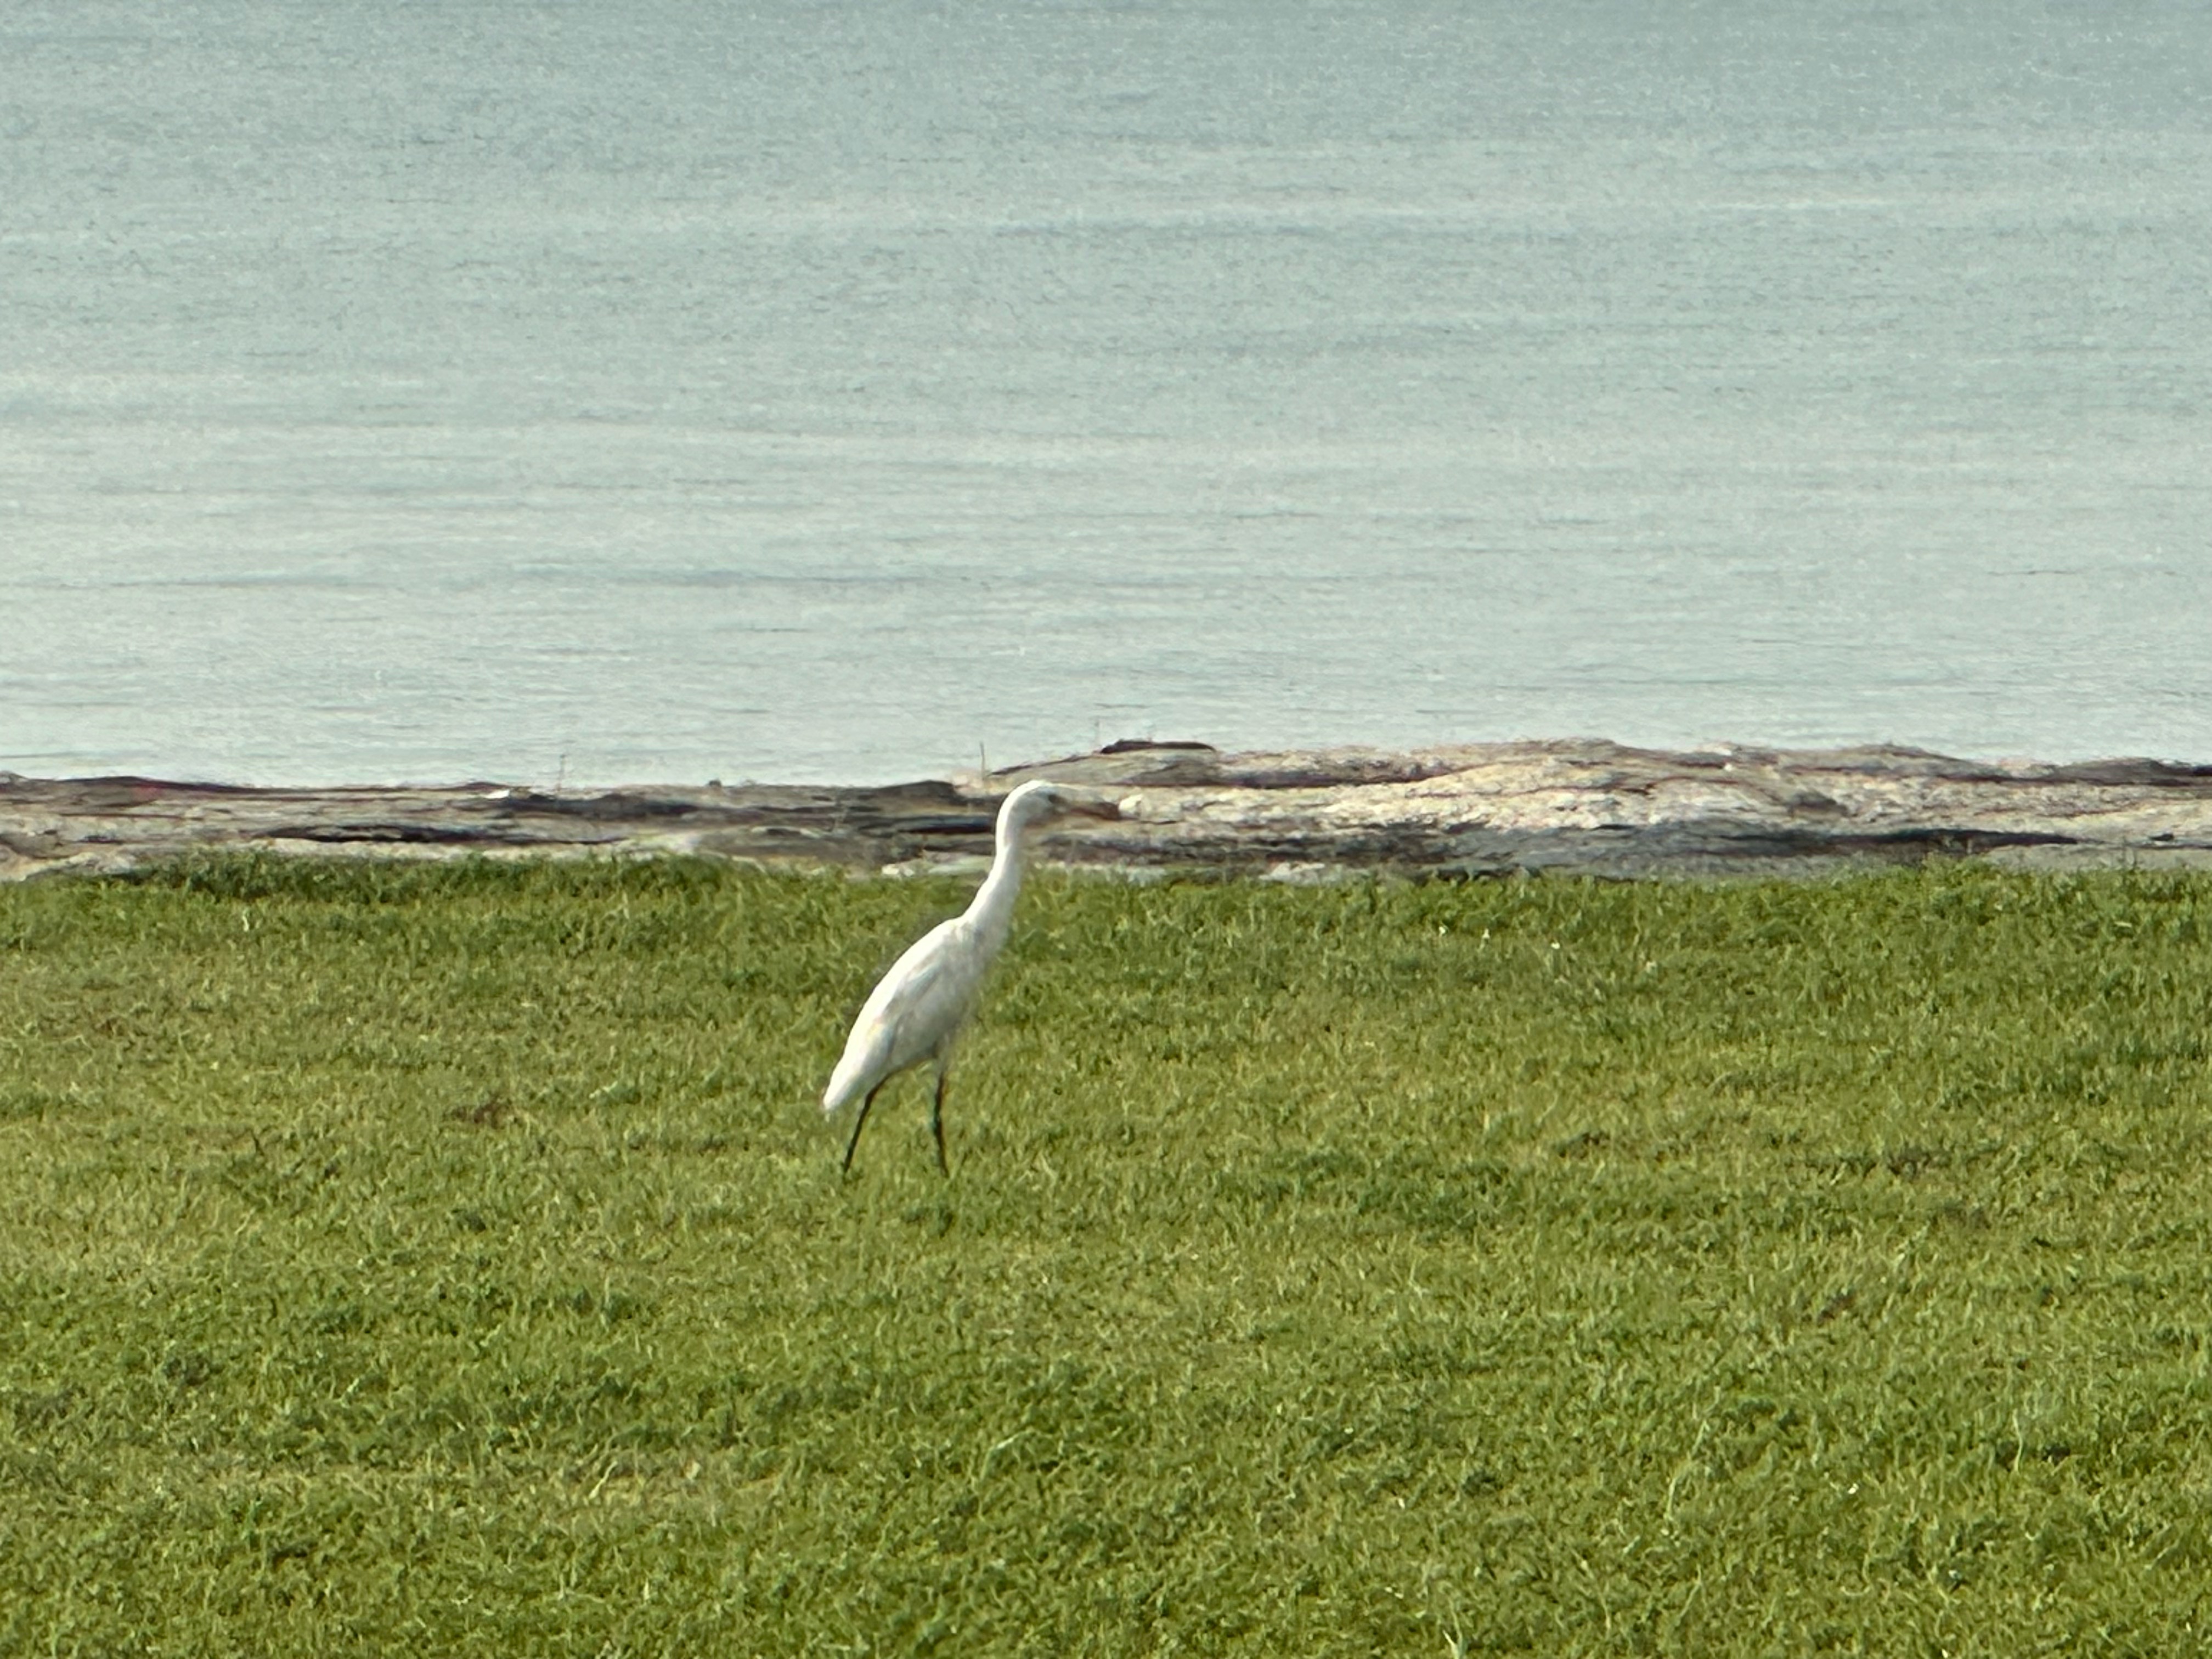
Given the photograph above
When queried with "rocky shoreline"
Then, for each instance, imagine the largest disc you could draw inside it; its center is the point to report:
(1581, 807)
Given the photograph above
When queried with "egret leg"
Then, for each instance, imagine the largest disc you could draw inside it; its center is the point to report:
(859, 1123)
(936, 1123)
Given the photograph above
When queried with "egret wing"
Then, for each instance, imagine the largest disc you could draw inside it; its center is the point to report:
(914, 1008)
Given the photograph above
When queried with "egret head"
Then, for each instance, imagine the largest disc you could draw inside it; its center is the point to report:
(1039, 800)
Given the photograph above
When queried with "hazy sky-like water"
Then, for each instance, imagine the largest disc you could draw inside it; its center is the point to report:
(398, 392)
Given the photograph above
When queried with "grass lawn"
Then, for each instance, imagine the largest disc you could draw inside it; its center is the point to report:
(453, 1257)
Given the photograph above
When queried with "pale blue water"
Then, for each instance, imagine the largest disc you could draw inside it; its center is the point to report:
(827, 392)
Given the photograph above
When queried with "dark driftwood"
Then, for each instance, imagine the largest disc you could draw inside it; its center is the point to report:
(1578, 807)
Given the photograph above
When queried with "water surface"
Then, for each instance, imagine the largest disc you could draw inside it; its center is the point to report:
(399, 391)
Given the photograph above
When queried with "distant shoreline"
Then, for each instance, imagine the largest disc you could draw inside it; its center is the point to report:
(1575, 806)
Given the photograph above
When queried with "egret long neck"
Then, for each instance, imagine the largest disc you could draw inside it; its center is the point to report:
(993, 911)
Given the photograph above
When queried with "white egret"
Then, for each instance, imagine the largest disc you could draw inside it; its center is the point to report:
(917, 1010)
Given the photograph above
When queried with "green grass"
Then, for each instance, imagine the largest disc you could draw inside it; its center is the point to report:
(445, 1257)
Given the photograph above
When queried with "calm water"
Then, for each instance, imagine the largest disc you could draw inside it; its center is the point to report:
(401, 391)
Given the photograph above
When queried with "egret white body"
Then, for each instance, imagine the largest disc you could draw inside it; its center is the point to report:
(918, 1009)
